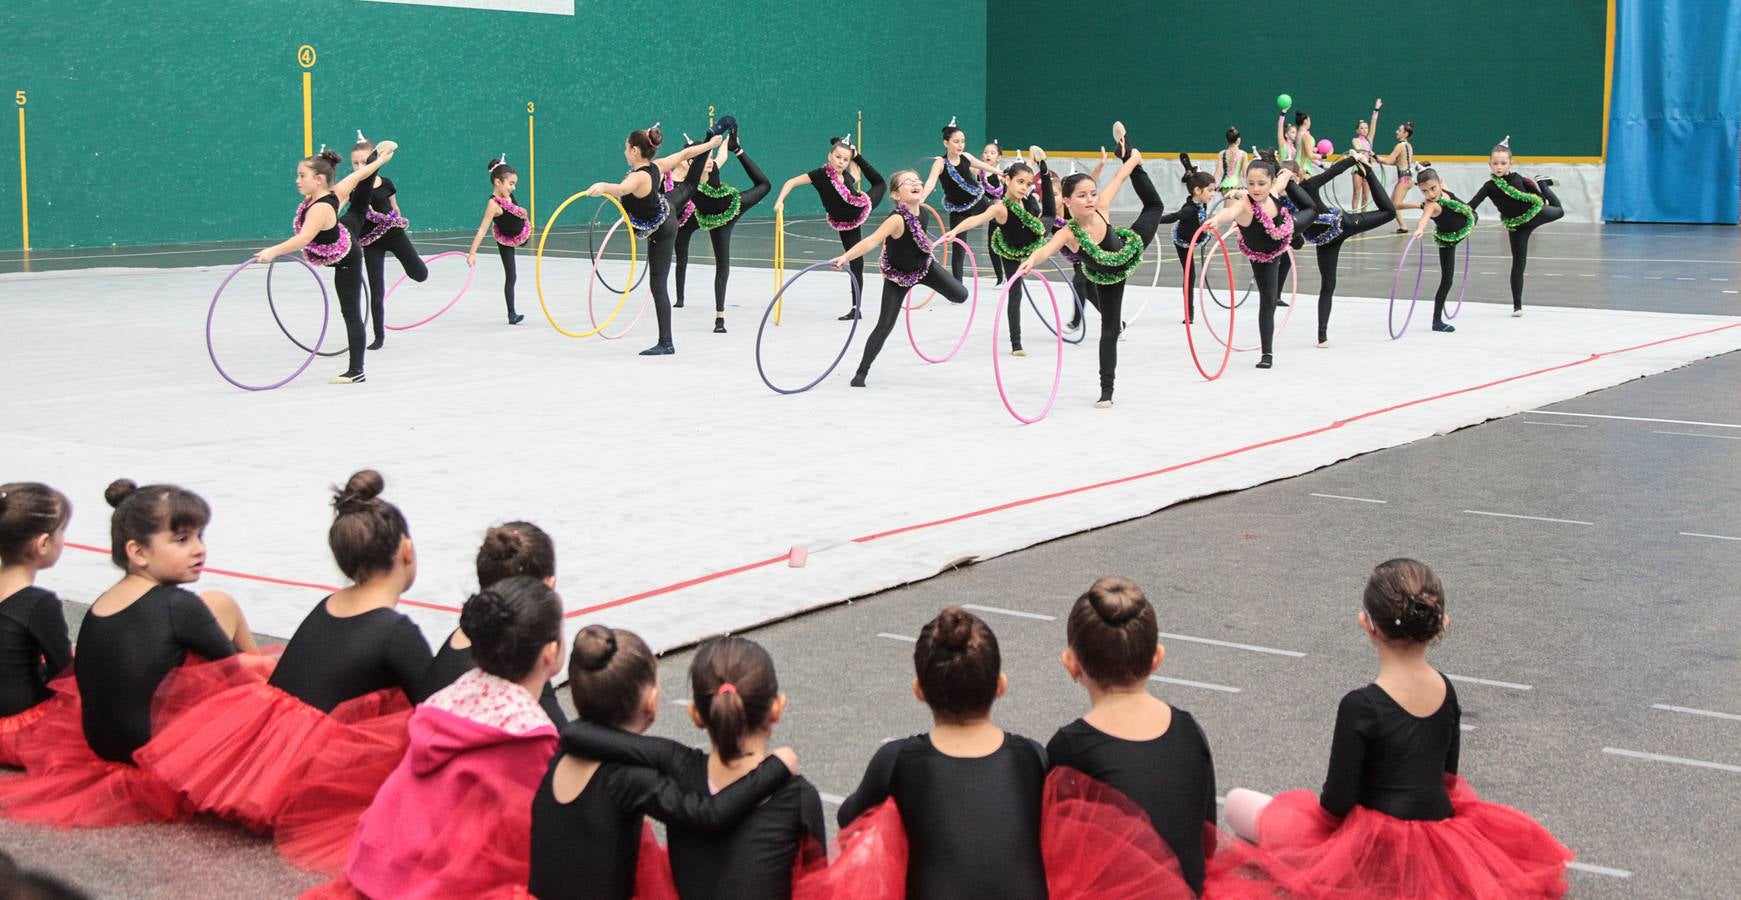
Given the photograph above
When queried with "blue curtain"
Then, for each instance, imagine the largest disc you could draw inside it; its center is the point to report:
(1674, 123)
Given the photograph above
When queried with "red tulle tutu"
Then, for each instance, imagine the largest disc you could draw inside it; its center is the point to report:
(1098, 845)
(364, 743)
(870, 861)
(1485, 850)
(653, 880)
(15, 731)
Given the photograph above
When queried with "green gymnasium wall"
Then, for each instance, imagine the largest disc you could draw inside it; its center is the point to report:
(159, 122)
(1179, 73)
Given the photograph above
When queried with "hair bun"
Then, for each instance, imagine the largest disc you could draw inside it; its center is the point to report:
(954, 629)
(363, 487)
(504, 543)
(594, 647)
(119, 490)
(655, 137)
(485, 617)
(330, 155)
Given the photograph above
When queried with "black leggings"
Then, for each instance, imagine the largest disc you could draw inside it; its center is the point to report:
(1447, 275)
(1109, 298)
(936, 279)
(397, 243)
(720, 237)
(1269, 293)
(347, 277)
(1329, 254)
(1190, 289)
(1014, 310)
(957, 258)
(1000, 267)
(508, 275)
(1519, 239)
(662, 244)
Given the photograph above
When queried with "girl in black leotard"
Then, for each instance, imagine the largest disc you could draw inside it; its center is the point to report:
(1265, 228)
(326, 241)
(34, 647)
(381, 230)
(516, 548)
(967, 793)
(906, 262)
(1201, 186)
(1331, 227)
(1018, 227)
(845, 207)
(1394, 819)
(716, 207)
(1153, 754)
(993, 183)
(510, 224)
(134, 636)
(1452, 222)
(1109, 255)
(590, 838)
(248, 752)
(1525, 205)
(963, 193)
(653, 211)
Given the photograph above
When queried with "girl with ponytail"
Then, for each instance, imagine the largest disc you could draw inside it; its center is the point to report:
(1394, 818)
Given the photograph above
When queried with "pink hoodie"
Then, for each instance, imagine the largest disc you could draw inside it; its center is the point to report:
(455, 818)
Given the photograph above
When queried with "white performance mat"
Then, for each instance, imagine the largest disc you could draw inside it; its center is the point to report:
(676, 486)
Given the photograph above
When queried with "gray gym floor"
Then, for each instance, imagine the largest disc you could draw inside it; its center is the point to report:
(1591, 552)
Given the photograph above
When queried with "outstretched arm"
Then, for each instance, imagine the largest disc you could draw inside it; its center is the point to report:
(491, 210)
(1372, 126)
(794, 181)
(1059, 239)
(931, 179)
(884, 232)
(383, 152)
(1104, 202)
(996, 211)
(667, 163)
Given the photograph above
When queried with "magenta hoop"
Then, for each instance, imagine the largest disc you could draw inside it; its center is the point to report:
(470, 271)
(996, 366)
(1232, 309)
(325, 318)
(593, 279)
(973, 306)
(1293, 301)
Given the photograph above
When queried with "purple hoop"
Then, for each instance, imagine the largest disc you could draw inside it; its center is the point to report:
(760, 330)
(1420, 271)
(469, 272)
(996, 355)
(593, 316)
(1465, 288)
(1293, 301)
(325, 318)
(973, 306)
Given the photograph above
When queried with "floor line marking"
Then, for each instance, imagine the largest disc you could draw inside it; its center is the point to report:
(1196, 684)
(1009, 612)
(831, 799)
(1697, 712)
(1466, 727)
(1714, 537)
(1500, 515)
(897, 637)
(1720, 437)
(1355, 499)
(1677, 760)
(1469, 679)
(1230, 644)
(1550, 412)
(1556, 424)
(1599, 870)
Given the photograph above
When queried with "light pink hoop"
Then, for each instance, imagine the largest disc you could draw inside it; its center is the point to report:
(470, 271)
(593, 280)
(1288, 316)
(996, 355)
(971, 309)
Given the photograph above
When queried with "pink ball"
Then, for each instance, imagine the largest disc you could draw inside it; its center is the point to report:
(1324, 147)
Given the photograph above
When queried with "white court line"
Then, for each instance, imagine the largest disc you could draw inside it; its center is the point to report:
(1340, 497)
(1489, 682)
(1599, 870)
(1252, 647)
(1556, 424)
(1500, 515)
(831, 799)
(1714, 537)
(1685, 278)
(897, 637)
(1549, 412)
(1466, 727)
(1720, 437)
(1677, 760)
(1196, 684)
(1697, 712)
(1009, 612)
(1586, 274)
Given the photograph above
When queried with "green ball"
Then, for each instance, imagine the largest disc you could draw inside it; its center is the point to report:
(1283, 102)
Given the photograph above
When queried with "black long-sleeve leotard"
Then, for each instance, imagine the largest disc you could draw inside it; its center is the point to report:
(1387, 759)
(34, 648)
(588, 848)
(330, 660)
(1171, 778)
(123, 657)
(450, 662)
(973, 824)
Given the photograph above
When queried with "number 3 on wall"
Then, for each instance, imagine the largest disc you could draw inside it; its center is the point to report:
(529, 106)
(19, 96)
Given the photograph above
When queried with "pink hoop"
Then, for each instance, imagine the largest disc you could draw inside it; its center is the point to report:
(470, 271)
(593, 280)
(996, 366)
(942, 226)
(973, 306)
(1288, 316)
(1232, 308)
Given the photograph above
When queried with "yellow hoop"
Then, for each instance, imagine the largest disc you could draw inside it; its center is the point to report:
(779, 258)
(538, 267)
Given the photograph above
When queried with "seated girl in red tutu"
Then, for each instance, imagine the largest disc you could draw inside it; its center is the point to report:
(332, 715)
(80, 759)
(590, 838)
(1394, 819)
(455, 818)
(34, 647)
(517, 548)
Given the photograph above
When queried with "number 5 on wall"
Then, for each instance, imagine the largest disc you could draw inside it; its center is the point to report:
(19, 96)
